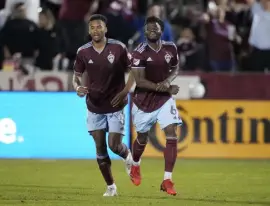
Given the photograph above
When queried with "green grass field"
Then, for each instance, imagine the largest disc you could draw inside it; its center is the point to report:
(78, 182)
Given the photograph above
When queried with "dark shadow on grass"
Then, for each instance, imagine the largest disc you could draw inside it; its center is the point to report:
(179, 198)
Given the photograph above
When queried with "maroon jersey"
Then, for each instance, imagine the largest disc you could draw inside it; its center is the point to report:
(158, 66)
(74, 9)
(220, 47)
(105, 74)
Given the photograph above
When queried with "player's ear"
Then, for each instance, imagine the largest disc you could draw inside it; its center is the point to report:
(89, 28)
(145, 29)
(106, 29)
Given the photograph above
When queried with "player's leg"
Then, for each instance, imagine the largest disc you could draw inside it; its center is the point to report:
(116, 124)
(117, 146)
(143, 123)
(138, 148)
(97, 125)
(168, 119)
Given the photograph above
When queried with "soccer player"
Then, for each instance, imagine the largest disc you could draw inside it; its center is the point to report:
(105, 62)
(154, 67)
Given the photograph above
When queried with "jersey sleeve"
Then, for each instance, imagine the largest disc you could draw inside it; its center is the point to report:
(175, 56)
(126, 58)
(79, 66)
(138, 62)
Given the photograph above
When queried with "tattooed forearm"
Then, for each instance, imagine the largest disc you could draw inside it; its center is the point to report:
(76, 81)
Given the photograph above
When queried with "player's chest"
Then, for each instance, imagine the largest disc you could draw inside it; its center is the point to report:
(105, 61)
(161, 59)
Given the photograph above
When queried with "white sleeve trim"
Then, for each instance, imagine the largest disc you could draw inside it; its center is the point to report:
(138, 67)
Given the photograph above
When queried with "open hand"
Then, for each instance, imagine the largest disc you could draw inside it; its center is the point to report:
(174, 89)
(119, 99)
(163, 86)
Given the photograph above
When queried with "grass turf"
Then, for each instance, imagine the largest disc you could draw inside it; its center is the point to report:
(78, 183)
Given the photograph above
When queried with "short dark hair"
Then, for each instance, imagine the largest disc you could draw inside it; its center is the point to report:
(98, 17)
(153, 19)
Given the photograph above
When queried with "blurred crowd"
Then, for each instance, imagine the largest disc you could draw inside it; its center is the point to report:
(211, 35)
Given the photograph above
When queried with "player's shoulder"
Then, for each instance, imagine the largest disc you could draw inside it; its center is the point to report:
(169, 44)
(84, 47)
(117, 43)
(140, 48)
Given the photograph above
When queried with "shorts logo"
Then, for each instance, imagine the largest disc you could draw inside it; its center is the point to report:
(136, 62)
(168, 58)
(111, 58)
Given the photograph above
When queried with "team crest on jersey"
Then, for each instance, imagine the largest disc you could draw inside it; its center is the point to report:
(136, 62)
(168, 58)
(111, 58)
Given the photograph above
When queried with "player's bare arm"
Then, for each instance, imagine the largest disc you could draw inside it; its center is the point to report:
(141, 81)
(166, 84)
(129, 83)
(77, 85)
(174, 74)
(118, 99)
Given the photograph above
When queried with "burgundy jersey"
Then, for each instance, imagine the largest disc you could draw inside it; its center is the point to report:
(220, 47)
(105, 74)
(158, 66)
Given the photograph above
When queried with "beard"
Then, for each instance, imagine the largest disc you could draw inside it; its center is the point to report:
(153, 40)
(97, 40)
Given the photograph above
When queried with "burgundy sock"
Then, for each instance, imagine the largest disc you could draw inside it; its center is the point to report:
(137, 150)
(170, 154)
(105, 168)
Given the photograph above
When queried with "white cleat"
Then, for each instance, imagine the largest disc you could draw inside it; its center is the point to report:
(128, 162)
(111, 192)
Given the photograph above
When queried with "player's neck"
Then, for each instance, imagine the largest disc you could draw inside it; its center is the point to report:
(100, 45)
(155, 45)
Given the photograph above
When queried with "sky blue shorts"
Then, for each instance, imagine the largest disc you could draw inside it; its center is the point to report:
(111, 122)
(165, 116)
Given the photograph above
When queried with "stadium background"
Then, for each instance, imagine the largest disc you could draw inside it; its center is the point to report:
(63, 114)
(41, 116)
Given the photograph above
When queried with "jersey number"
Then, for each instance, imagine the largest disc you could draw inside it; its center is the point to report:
(173, 110)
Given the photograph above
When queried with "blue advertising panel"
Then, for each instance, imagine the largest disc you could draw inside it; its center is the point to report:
(46, 125)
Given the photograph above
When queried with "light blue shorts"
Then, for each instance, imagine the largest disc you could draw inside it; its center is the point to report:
(111, 122)
(165, 116)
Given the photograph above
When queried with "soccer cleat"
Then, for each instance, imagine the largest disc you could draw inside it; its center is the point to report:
(110, 192)
(167, 186)
(128, 162)
(135, 175)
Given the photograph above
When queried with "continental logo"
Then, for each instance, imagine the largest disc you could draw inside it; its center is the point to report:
(218, 123)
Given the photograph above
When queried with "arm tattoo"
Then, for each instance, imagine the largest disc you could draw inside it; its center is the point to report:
(76, 81)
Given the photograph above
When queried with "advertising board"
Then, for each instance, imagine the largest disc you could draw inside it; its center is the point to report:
(218, 129)
(46, 125)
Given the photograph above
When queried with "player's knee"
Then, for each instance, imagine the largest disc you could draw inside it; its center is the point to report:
(101, 150)
(142, 138)
(115, 142)
(170, 131)
(114, 146)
